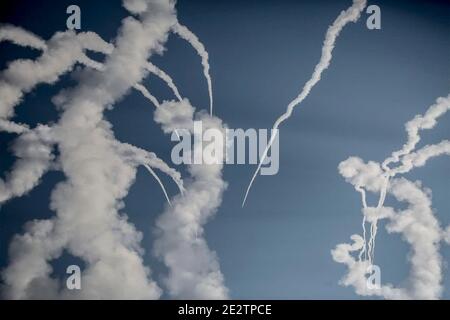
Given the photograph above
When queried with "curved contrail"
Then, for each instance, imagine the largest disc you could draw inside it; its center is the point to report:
(352, 14)
(147, 94)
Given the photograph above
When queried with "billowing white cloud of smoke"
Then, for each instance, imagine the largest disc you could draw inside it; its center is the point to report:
(190, 37)
(352, 14)
(417, 223)
(21, 37)
(13, 127)
(194, 271)
(88, 222)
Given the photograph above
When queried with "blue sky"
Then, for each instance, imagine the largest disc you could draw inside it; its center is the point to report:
(261, 54)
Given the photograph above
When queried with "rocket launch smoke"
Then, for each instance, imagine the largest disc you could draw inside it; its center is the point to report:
(89, 222)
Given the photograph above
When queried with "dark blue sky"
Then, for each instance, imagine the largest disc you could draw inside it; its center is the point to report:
(261, 54)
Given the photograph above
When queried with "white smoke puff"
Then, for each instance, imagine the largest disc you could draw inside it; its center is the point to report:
(420, 157)
(194, 271)
(21, 37)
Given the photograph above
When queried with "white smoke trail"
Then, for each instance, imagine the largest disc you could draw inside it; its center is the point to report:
(190, 37)
(417, 223)
(151, 98)
(21, 37)
(143, 157)
(165, 77)
(194, 271)
(413, 127)
(159, 181)
(352, 14)
(13, 127)
(419, 123)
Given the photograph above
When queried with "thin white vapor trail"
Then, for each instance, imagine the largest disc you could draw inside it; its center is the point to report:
(190, 37)
(33, 149)
(159, 181)
(352, 14)
(151, 98)
(165, 77)
(62, 52)
(89, 223)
